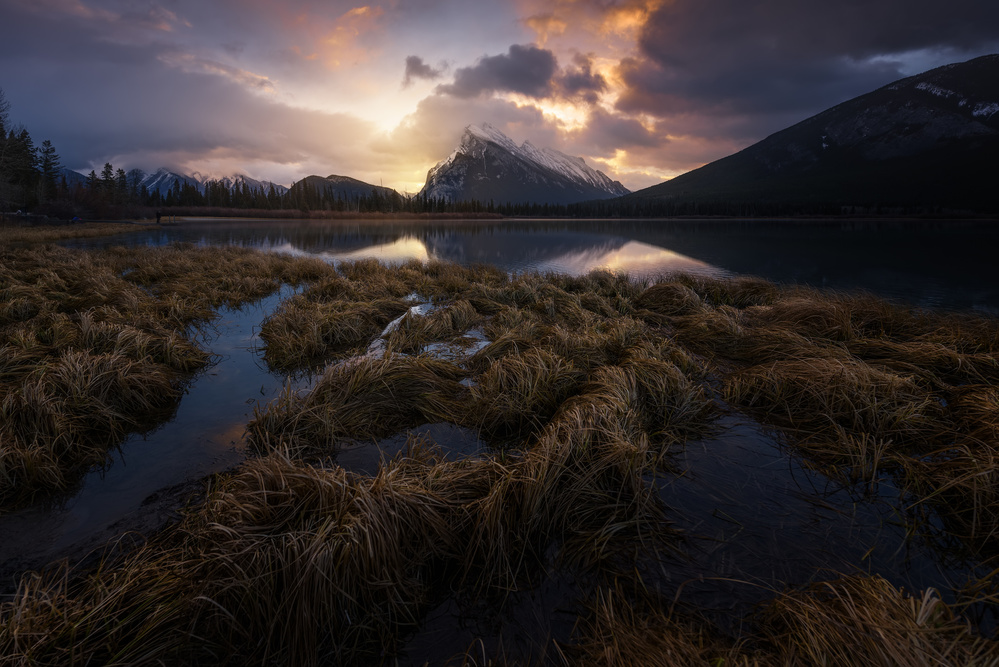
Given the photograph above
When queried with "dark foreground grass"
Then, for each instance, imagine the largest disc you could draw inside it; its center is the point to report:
(96, 345)
(587, 388)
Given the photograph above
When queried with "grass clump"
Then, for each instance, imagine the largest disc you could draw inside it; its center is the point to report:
(865, 620)
(519, 393)
(363, 399)
(304, 332)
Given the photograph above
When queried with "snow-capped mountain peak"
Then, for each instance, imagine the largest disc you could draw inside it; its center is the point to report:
(163, 179)
(488, 165)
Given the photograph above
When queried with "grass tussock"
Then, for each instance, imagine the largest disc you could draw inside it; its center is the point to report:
(362, 399)
(303, 332)
(866, 621)
(520, 393)
(444, 324)
(852, 620)
(617, 631)
(864, 388)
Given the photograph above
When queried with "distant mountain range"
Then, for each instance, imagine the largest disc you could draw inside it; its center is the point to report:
(162, 180)
(488, 166)
(342, 187)
(927, 141)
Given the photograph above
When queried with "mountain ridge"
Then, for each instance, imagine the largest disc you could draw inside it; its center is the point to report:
(924, 141)
(487, 165)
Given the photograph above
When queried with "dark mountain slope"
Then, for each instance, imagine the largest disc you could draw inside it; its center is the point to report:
(925, 142)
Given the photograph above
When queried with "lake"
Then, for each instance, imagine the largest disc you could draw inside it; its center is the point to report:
(941, 264)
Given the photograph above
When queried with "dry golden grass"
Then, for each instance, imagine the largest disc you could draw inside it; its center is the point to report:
(617, 632)
(360, 399)
(866, 621)
(50, 233)
(97, 344)
(591, 384)
(305, 332)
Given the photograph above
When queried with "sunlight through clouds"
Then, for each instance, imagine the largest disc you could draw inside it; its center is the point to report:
(645, 89)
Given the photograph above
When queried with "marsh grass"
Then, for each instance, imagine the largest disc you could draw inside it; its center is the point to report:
(98, 344)
(590, 385)
(50, 233)
(865, 620)
(363, 399)
(303, 332)
(617, 630)
(864, 389)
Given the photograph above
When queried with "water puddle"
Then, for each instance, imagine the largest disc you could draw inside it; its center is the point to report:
(151, 475)
(454, 442)
(760, 521)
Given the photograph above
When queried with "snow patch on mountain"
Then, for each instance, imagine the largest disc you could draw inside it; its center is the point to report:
(163, 179)
(516, 173)
(935, 90)
(985, 109)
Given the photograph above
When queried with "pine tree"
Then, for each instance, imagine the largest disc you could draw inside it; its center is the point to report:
(50, 166)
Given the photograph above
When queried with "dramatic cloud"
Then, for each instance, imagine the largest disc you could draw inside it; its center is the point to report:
(644, 89)
(527, 70)
(785, 59)
(581, 81)
(417, 69)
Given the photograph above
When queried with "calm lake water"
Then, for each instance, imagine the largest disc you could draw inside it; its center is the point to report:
(937, 264)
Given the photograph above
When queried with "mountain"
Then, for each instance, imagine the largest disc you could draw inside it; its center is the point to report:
(72, 177)
(163, 179)
(925, 142)
(237, 181)
(488, 165)
(342, 187)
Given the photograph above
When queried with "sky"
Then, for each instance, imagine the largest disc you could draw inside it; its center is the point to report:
(643, 90)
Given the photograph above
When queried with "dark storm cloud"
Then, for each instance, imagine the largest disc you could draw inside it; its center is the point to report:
(581, 81)
(778, 59)
(417, 69)
(608, 132)
(523, 69)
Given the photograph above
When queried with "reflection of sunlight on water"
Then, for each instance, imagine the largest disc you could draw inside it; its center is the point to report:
(398, 252)
(634, 258)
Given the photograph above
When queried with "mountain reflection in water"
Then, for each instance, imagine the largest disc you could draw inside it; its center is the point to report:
(931, 263)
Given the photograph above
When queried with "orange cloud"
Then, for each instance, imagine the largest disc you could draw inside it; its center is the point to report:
(343, 44)
(546, 25)
(579, 18)
(627, 19)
